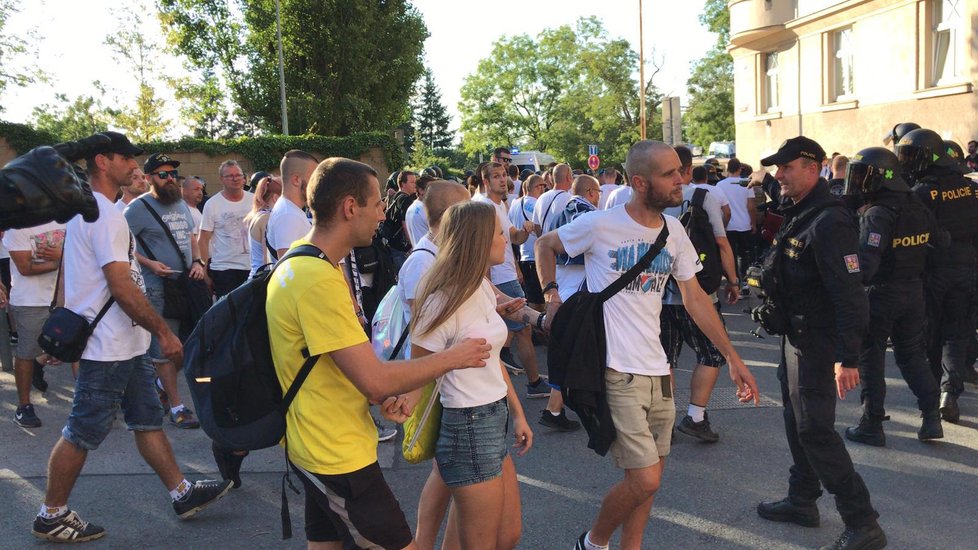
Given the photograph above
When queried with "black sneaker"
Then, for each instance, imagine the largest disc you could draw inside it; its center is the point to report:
(506, 356)
(699, 430)
(384, 433)
(204, 493)
(26, 418)
(869, 537)
(560, 422)
(538, 389)
(580, 542)
(37, 378)
(786, 511)
(66, 528)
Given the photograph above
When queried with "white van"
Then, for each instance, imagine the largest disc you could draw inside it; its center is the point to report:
(533, 160)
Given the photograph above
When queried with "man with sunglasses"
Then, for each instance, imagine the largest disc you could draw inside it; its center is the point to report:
(502, 156)
(159, 260)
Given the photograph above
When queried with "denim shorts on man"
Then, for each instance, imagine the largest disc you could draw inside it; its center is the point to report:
(472, 443)
(513, 290)
(643, 412)
(105, 387)
(30, 320)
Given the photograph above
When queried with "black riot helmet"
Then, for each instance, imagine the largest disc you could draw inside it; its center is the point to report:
(921, 149)
(874, 169)
(899, 130)
(954, 151)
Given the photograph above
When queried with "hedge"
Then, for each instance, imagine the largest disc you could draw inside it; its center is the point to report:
(264, 152)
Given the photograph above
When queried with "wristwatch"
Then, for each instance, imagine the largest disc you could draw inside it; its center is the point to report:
(199, 261)
(540, 321)
(552, 285)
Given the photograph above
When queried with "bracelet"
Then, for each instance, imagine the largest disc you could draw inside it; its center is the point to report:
(552, 285)
(199, 261)
(540, 321)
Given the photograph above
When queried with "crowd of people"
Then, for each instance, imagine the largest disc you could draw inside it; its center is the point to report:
(847, 253)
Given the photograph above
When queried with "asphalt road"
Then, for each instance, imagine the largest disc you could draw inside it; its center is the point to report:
(925, 492)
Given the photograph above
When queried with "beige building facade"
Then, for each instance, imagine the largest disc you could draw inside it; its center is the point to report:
(844, 73)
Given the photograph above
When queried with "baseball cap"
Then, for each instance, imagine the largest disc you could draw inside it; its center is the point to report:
(158, 159)
(794, 148)
(120, 144)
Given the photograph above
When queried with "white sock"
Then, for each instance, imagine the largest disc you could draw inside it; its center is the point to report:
(555, 413)
(696, 412)
(181, 490)
(159, 384)
(175, 410)
(52, 512)
(590, 545)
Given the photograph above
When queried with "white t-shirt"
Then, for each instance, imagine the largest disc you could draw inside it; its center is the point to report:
(715, 191)
(3, 252)
(606, 191)
(618, 197)
(506, 271)
(230, 246)
(414, 268)
(120, 205)
(475, 318)
(520, 211)
(197, 216)
(737, 195)
(88, 248)
(32, 290)
(612, 242)
(286, 224)
(549, 206)
(416, 220)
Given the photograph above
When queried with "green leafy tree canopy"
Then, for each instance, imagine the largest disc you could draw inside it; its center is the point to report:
(710, 116)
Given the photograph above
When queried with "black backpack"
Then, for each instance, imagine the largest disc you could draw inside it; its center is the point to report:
(228, 363)
(392, 228)
(700, 232)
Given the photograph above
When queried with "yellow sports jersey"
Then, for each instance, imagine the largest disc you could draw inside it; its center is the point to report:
(330, 430)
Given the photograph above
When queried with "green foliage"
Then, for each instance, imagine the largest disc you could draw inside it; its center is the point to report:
(423, 157)
(430, 116)
(22, 138)
(349, 66)
(710, 116)
(12, 45)
(265, 152)
(70, 120)
(143, 120)
(559, 92)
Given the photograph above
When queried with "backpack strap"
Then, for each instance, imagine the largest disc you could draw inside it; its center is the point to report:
(273, 254)
(639, 267)
(543, 222)
(699, 196)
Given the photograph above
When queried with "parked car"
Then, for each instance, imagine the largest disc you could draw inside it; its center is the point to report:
(722, 149)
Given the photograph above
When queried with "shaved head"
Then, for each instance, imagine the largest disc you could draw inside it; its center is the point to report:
(563, 174)
(645, 156)
(439, 196)
(582, 183)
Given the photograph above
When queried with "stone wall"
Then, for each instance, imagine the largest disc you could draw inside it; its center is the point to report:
(194, 163)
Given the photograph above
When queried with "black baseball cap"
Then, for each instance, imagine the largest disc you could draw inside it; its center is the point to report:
(120, 144)
(796, 147)
(158, 159)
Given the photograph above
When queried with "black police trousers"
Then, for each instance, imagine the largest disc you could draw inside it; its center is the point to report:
(896, 311)
(949, 296)
(807, 375)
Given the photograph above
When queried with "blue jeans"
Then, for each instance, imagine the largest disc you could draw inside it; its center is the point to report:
(472, 443)
(513, 290)
(102, 388)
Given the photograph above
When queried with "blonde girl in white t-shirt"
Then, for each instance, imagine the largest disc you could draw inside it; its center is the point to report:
(456, 301)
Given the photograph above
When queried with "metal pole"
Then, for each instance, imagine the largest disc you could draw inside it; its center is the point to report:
(281, 67)
(641, 72)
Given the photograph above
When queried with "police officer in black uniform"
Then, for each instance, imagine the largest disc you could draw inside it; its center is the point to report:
(815, 300)
(949, 286)
(895, 233)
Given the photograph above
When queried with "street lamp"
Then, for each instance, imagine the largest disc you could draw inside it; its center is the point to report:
(641, 73)
(281, 67)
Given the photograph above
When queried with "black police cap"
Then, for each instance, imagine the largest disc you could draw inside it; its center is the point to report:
(796, 147)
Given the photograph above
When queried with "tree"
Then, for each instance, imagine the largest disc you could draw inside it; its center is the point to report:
(431, 118)
(74, 119)
(710, 116)
(11, 47)
(144, 121)
(349, 66)
(559, 92)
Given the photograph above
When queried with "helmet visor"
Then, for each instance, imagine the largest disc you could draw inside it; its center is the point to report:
(913, 159)
(860, 179)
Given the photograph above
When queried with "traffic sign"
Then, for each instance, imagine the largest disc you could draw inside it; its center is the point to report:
(592, 150)
(593, 162)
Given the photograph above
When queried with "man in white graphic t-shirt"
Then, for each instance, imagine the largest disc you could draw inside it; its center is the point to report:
(637, 377)
(225, 247)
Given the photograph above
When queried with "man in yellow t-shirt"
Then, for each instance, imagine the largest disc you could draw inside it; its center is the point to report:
(332, 441)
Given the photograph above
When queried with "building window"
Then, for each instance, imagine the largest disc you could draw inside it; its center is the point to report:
(772, 98)
(946, 32)
(843, 61)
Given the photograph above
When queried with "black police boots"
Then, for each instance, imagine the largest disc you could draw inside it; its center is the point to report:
(787, 511)
(869, 431)
(930, 426)
(949, 407)
(868, 537)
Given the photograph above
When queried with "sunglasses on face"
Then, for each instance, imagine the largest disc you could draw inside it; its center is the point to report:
(505, 160)
(164, 174)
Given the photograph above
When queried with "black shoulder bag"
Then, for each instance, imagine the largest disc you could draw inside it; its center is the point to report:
(184, 299)
(65, 333)
(577, 355)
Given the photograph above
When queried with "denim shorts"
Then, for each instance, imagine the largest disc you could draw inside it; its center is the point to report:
(472, 443)
(155, 296)
(102, 388)
(513, 290)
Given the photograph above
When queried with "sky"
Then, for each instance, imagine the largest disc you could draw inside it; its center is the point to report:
(71, 50)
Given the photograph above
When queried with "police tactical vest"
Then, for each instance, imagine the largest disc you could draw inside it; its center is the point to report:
(905, 256)
(954, 201)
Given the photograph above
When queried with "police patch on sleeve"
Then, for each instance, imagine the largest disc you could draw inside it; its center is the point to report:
(874, 239)
(852, 263)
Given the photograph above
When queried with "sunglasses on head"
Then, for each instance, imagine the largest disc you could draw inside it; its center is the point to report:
(164, 174)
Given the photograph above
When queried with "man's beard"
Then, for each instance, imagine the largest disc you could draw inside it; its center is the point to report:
(660, 201)
(168, 193)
